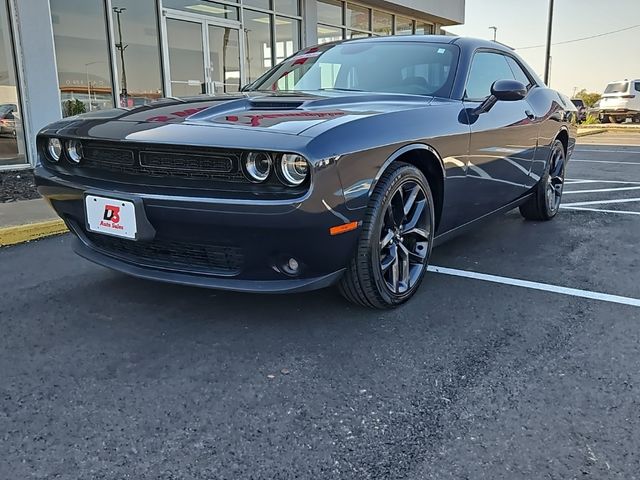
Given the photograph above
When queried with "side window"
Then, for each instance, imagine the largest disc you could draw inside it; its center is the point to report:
(637, 86)
(486, 69)
(518, 72)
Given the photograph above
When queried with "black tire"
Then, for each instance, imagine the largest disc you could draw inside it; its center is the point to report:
(392, 237)
(545, 203)
(603, 118)
(613, 119)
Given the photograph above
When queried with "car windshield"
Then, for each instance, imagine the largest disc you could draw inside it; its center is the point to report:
(619, 87)
(578, 103)
(416, 68)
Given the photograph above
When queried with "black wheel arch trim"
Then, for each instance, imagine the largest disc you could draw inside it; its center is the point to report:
(401, 151)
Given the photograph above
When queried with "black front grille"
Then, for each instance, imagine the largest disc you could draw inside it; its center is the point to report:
(159, 253)
(224, 166)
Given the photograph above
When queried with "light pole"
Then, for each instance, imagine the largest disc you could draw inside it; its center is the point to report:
(121, 48)
(547, 65)
(495, 33)
(86, 71)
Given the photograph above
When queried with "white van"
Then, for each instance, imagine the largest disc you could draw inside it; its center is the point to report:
(621, 100)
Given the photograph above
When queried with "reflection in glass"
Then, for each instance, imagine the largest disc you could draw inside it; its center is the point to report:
(224, 54)
(423, 28)
(288, 7)
(138, 52)
(330, 11)
(404, 26)
(382, 23)
(329, 34)
(358, 17)
(82, 55)
(212, 9)
(354, 34)
(287, 43)
(186, 57)
(12, 146)
(257, 29)
(257, 3)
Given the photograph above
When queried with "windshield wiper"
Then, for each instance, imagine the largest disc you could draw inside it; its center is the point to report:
(340, 89)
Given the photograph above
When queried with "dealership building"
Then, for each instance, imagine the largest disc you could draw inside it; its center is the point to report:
(64, 57)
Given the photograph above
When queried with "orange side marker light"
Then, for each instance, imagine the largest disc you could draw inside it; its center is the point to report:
(344, 228)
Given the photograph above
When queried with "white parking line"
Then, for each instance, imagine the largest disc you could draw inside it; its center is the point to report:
(601, 210)
(580, 180)
(601, 202)
(597, 150)
(600, 190)
(605, 161)
(545, 287)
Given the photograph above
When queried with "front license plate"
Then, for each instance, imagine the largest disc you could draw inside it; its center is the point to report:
(111, 216)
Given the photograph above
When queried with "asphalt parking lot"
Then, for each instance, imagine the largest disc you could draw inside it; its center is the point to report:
(108, 377)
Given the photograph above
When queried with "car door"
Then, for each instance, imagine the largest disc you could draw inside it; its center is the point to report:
(503, 139)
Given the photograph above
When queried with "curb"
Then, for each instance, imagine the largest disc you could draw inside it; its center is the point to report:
(594, 131)
(30, 231)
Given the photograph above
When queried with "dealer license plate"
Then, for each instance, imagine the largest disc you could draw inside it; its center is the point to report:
(111, 216)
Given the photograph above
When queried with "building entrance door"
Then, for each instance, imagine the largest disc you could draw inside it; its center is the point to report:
(202, 56)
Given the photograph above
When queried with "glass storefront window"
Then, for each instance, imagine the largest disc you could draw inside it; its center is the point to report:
(358, 17)
(257, 3)
(382, 23)
(287, 43)
(219, 10)
(224, 55)
(139, 63)
(12, 144)
(404, 26)
(328, 34)
(288, 7)
(355, 34)
(82, 55)
(330, 11)
(186, 57)
(257, 29)
(424, 28)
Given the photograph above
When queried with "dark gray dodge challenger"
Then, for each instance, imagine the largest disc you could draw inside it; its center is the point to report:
(343, 165)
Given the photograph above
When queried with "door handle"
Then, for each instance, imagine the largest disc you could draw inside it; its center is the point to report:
(530, 115)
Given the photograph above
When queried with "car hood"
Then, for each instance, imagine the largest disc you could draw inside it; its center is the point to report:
(278, 113)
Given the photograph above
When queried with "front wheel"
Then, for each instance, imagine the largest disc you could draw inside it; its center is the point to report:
(545, 202)
(395, 242)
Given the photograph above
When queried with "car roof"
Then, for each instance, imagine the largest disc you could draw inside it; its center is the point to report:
(463, 42)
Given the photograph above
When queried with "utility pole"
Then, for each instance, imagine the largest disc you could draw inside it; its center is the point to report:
(547, 65)
(121, 48)
(495, 33)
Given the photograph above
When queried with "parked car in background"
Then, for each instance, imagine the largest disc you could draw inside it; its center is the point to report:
(594, 111)
(344, 164)
(582, 109)
(8, 119)
(620, 101)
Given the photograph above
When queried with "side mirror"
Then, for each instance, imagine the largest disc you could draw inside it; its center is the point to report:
(502, 91)
(508, 90)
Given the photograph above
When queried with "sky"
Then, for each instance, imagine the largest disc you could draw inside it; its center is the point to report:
(589, 64)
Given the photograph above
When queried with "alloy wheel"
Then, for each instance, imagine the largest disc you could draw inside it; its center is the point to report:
(555, 180)
(404, 238)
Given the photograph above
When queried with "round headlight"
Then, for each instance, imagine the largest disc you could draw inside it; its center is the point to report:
(258, 166)
(54, 148)
(294, 169)
(74, 151)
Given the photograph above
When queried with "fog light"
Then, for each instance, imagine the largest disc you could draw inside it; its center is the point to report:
(293, 264)
(54, 149)
(74, 151)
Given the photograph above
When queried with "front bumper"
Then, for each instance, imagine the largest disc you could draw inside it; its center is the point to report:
(201, 241)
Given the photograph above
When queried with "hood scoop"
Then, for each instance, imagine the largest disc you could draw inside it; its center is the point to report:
(275, 104)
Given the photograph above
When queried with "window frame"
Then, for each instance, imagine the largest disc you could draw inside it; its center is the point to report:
(533, 82)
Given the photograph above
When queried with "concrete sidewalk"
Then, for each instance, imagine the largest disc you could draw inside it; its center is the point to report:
(27, 220)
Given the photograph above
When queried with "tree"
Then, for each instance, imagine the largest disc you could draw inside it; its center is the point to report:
(73, 107)
(588, 98)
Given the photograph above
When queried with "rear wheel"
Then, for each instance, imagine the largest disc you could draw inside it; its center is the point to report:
(395, 243)
(545, 202)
